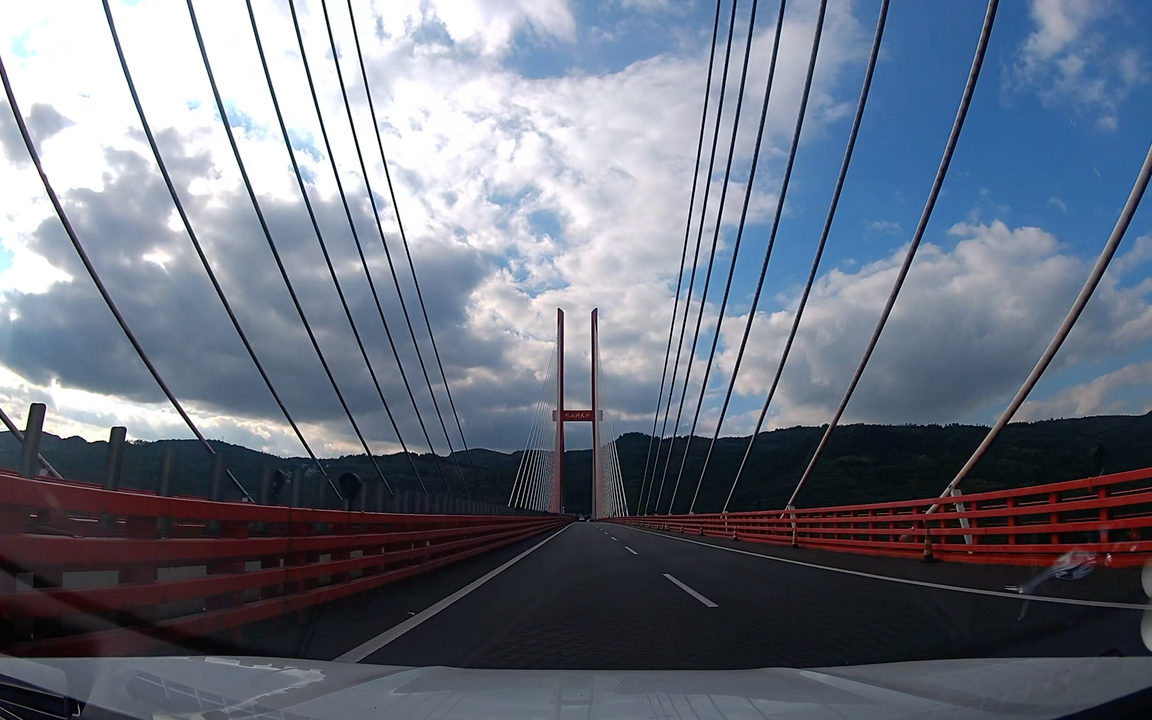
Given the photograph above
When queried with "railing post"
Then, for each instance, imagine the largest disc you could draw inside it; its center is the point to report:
(1011, 520)
(215, 493)
(296, 492)
(164, 485)
(380, 499)
(216, 478)
(959, 507)
(167, 459)
(1102, 493)
(792, 512)
(115, 457)
(30, 449)
(927, 557)
(267, 476)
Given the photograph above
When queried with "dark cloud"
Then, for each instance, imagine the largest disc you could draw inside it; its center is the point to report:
(44, 121)
(10, 140)
(969, 325)
(69, 335)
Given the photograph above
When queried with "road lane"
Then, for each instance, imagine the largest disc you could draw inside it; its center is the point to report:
(327, 631)
(587, 601)
(775, 613)
(705, 601)
(605, 598)
(365, 649)
(565, 606)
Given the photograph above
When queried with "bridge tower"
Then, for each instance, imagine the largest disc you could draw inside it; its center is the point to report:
(564, 415)
(539, 483)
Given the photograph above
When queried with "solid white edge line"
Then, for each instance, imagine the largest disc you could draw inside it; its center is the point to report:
(363, 650)
(631, 550)
(918, 583)
(691, 592)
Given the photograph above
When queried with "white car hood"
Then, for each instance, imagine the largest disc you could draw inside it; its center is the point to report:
(235, 688)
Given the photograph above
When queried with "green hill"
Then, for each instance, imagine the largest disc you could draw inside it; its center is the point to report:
(863, 463)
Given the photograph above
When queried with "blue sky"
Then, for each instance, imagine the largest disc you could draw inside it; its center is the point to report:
(542, 153)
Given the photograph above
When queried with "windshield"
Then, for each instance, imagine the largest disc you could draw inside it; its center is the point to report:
(563, 336)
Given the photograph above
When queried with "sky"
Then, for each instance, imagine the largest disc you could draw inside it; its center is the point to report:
(542, 155)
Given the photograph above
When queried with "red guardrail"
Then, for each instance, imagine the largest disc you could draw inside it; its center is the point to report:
(1024, 526)
(86, 571)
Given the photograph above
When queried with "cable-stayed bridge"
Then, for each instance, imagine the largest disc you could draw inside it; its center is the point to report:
(350, 568)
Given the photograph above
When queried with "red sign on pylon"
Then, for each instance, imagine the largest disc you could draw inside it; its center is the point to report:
(574, 416)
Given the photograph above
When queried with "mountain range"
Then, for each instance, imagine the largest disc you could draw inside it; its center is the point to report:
(862, 463)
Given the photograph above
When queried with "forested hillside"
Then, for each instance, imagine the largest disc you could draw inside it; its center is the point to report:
(863, 463)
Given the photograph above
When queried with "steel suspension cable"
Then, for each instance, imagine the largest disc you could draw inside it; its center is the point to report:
(696, 254)
(683, 255)
(539, 467)
(784, 184)
(323, 245)
(652, 485)
(91, 269)
(716, 240)
(536, 459)
(522, 469)
(1070, 319)
(532, 431)
(272, 246)
(18, 435)
(619, 498)
(196, 241)
(520, 466)
(407, 251)
(864, 89)
(387, 254)
(937, 183)
(550, 460)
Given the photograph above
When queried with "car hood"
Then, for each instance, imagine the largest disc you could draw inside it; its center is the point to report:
(227, 688)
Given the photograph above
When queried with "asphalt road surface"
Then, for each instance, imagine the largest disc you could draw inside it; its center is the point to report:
(608, 597)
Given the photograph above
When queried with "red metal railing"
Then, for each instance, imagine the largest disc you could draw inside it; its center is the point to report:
(1026, 526)
(88, 571)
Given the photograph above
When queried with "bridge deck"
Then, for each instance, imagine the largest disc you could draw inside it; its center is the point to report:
(586, 600)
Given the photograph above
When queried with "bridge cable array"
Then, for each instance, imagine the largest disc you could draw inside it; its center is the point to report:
(387, 254)
(213, 278)
(695, 260)
(408, 254)
(957, 126)
(937, 184)
(1073, 315)
(532, 487)
(1070, 319)
(355, 237)
(799, 313)
(351, 225)
(744, 217)
(610, 499)
(711, 265)
(92, 273)
(272, 245)
(176, 201)
(683, 258)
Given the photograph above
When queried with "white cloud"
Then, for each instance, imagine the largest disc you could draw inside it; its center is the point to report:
(1069, 61)
(518, 195)
(1059, 204)
(887, 227)
(647, 5)
(1124, 391)
(969, 325)
(491, 24)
